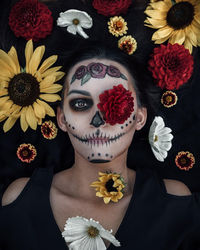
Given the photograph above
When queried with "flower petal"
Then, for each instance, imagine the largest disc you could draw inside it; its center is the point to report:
(8, 60)
(9, 123)
(30, 117)
(52, 89)
(36, 59)
(177, 37)
(81, 32)
(50, 97)
(39, 110)
(48, 109)
(50, 71)
(47, 63)
(161, 33)
(28, 54)
(47, 82)
(108, 236)
(23, 122)
(13, 54)
(72, 29)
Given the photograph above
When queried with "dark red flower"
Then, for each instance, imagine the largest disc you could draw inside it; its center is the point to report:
(26, 152)
(116, 105)
(185, 160)
(30, 19)
(171, 65)
(111, 8)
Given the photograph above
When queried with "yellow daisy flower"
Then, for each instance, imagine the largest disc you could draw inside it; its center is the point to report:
(128, 44)
(24, 92)
(109, 187)
(176, 20)
(117, 26)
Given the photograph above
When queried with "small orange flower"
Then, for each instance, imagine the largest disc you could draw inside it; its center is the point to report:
(128, 44)
(110, 187)
(185, 160)
(26, 152)
(169, 99)
(49, 130)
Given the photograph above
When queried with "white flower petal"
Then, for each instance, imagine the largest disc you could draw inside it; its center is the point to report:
(108, 236)
(160, 138)
(100, 243)
(72, 29)
(81, 32)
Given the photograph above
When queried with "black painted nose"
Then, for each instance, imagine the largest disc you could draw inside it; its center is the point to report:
(97, 120)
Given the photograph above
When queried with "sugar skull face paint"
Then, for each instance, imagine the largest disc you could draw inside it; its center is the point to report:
(92, 137)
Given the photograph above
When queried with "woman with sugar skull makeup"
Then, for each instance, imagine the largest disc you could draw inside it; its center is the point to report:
(104, 102)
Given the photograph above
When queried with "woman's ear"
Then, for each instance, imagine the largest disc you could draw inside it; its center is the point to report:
(61, 119)
(141, 118)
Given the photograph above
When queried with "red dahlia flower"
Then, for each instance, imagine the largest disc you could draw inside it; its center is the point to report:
(111, 8)
(171, 65)
(116, 104)
(30, 19)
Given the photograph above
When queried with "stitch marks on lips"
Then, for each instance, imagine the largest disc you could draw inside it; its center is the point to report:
(98, 139)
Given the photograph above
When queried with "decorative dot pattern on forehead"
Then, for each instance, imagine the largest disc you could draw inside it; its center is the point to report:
(116, 104)
(96, 70)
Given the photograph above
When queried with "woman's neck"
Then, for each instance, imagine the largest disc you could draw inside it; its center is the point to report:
(83, 173)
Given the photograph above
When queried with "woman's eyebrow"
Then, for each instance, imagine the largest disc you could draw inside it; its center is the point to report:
(82, 92)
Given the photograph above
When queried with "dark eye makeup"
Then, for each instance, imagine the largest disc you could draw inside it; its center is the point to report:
(81, 104)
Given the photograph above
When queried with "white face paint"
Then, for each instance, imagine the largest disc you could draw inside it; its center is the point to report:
(102, 142)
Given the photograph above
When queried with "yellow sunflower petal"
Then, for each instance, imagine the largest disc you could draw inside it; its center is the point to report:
(2, 117)
(39, 121)
(59, 75)
(47, 82)
(50, 97)
(48, 109)
(8, 60)
(14, 109)
(162, 33)
(5, 70)
(39, 110)
(98, 194)
(197, 18)
(6, 106)
(36, 59)
(188, 45)
(13, 53)
(191, 36)
(156, 24)
(3, 100)
(160, 5)
(177, 37)
(3, 91)
(9, 123)
(52, 89)
(23, 122)
(47, 63)
(156, 14)
(50, 71)
(30, 118)
(28, 54)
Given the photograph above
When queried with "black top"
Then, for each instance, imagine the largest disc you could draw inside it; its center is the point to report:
(154, 219)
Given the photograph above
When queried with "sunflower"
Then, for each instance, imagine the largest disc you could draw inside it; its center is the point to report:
(23, 92)
(177, 20)
(110, 187)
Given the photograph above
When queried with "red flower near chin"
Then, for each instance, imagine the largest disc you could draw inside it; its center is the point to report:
(171, 65)
(30, 19)
(111, 8)
(116, 104)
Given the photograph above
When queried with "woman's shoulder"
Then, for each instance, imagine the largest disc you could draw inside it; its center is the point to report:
(176, 187)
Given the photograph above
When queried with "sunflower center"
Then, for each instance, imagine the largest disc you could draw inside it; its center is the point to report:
(180, 15)
(109, 186)
(93, 232)
(23, 89)
(76, 21)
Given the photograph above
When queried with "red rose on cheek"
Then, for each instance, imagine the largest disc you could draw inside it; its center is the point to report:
(111, 7)
(116, 104)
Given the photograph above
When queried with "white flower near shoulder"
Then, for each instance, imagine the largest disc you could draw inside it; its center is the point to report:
(75, 21)
(160, 138)
(86, 234)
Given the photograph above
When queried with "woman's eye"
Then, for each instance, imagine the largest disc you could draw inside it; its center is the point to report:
(81, 104)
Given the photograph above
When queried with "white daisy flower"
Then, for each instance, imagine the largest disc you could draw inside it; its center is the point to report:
(160, 138)
(86, 234)
(75, 20)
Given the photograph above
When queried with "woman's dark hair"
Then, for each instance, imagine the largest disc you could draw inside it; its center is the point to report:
(142, 80)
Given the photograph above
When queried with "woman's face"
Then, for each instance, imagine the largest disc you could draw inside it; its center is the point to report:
(92, 136)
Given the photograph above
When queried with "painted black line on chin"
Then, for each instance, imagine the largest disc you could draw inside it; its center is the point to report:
(99, 161)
